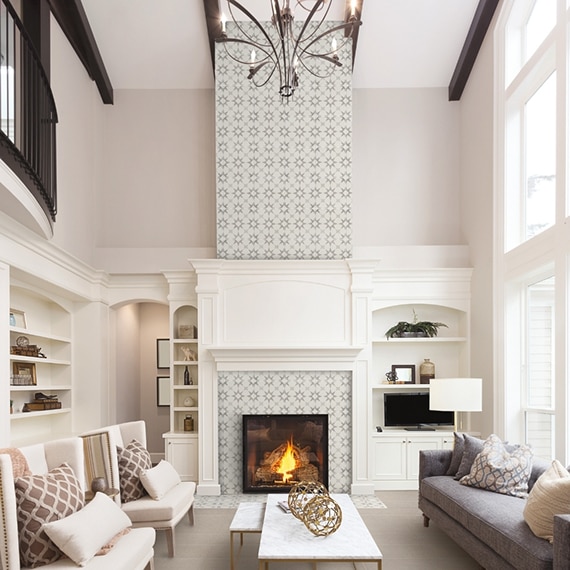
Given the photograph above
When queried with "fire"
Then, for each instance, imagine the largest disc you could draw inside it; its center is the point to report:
(287, 463)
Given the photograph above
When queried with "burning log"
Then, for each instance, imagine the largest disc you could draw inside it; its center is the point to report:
(288, 461)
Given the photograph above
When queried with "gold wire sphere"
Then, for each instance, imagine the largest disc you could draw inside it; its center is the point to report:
(322, 515)
(301, 493)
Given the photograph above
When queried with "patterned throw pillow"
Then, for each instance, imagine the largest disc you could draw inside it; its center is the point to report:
(133, 460)
(500, 470)
(549, 496)
(40, 499)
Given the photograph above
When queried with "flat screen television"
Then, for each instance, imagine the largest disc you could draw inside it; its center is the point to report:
(410, 410)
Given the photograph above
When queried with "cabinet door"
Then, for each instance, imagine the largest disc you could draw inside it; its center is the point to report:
(413, 447)
(182, 453)
(447, 442)
(389, 458)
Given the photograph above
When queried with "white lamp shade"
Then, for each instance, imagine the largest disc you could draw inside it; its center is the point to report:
(456, 394)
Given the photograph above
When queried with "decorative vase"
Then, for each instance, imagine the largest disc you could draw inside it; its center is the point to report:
(98, 485)
(427, 371)
(188, 423)
(186, 376)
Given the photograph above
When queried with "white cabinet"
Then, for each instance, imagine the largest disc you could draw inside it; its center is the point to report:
(182, 453)
(395, 462)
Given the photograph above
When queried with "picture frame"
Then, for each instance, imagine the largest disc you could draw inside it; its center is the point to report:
(163, 391)
(163, 353)
(24, 374)
(406, 373)
(17, 318)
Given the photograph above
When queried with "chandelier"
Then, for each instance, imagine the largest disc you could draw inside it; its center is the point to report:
(284, 49)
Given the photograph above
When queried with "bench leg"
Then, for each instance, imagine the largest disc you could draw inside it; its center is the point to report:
(426, 520)
(170, 541)
(150, 565)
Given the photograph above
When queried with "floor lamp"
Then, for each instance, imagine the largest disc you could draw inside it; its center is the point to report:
(456, 395)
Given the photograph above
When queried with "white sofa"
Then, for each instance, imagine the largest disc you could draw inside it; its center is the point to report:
(133, 551)
(162, 514)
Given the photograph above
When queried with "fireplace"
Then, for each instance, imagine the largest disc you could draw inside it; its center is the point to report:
(281, 449)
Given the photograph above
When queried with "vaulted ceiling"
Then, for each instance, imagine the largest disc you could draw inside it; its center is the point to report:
(164, 45)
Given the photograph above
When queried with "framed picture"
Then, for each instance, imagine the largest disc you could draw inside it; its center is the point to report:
(162, 353)
(24, 374)
(404, 373)
(17, 318)
(162, 391)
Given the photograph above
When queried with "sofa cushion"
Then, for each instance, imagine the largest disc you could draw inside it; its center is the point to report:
(147, 510)
(81, 535)
(133, 460)
(40, 499)
(457, 453)
(495, 519)
(160, 479)
(497, 469)
(472, 446)
(550, 496)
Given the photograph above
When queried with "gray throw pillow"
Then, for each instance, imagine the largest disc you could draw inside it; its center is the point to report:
(472, 447)
(457, 455)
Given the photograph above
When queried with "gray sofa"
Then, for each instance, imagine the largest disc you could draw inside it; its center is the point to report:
(489, 526)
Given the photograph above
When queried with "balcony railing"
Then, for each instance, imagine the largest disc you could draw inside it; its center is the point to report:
(28, 115)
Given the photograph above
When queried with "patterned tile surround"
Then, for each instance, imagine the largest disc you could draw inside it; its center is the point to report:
(283, 167)
(271, 392)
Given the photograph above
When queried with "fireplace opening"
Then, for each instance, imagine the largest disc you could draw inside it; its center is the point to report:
(280, 450)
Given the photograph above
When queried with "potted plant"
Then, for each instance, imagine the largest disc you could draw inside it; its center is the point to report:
(416, 328)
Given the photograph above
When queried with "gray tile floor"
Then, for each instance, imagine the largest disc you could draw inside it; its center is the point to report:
(398, 530)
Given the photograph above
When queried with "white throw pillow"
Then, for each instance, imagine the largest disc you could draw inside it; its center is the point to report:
(81, 535)
(160, 479)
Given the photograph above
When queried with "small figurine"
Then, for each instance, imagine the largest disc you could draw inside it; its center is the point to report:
(189, 354)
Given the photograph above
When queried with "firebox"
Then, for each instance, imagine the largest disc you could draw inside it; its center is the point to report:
(280, 450)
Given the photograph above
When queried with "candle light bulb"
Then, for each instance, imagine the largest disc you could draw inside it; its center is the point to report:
(353, 8)
(333, 45)
(252, 56)
(223, 20)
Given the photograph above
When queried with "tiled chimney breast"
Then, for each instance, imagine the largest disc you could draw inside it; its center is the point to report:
(283, 166)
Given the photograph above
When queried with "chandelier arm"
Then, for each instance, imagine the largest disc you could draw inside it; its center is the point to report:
(256, 22)
(312, 12)
(328, 32)
(225, 41)
(252, 74)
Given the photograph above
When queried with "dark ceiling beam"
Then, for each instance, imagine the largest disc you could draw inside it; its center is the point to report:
(72, 19)
(347, 15)
(479, 26)
(213, 13)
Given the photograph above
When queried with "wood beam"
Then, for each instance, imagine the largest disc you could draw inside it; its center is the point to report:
(73, 21)
(213, 13)
(479, 26)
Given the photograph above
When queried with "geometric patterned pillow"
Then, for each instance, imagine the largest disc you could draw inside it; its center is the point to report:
(40, 499)
(133, 460)
(501, 470)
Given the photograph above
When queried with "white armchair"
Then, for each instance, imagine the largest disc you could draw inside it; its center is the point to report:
(133, 551)
(161, 514)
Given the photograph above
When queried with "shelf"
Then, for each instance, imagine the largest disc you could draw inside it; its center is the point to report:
(185, 363)
(185, 386)
(420, 340)
(16, 357)
(400, 387)
(40, 388)
(185, 409)
(22, 415)
(37, 334)
(185, 341)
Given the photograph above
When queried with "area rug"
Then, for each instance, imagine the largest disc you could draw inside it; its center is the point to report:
(232, 501)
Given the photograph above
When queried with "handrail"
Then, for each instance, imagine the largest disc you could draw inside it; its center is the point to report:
(28, 115)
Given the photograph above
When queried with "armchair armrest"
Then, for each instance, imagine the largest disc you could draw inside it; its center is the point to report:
(434, 462)
(561, 543)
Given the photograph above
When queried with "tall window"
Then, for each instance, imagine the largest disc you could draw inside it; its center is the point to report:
(533, 279)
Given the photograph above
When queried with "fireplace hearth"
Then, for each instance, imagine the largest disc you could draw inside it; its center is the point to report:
(280, 450)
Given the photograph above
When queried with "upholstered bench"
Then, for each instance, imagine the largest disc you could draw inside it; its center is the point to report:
(248, 519)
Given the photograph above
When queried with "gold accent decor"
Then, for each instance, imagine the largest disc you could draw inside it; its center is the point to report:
(310, 502)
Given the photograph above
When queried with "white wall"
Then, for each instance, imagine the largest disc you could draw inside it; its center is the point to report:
(476, 214)
(78, 148)
(406, 168)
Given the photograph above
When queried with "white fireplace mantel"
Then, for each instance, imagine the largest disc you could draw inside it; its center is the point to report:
(285, 358)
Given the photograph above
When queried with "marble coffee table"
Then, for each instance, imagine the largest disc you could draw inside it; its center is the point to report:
(284, 538)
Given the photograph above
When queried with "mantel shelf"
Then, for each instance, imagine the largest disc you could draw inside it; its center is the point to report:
(285, 358)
